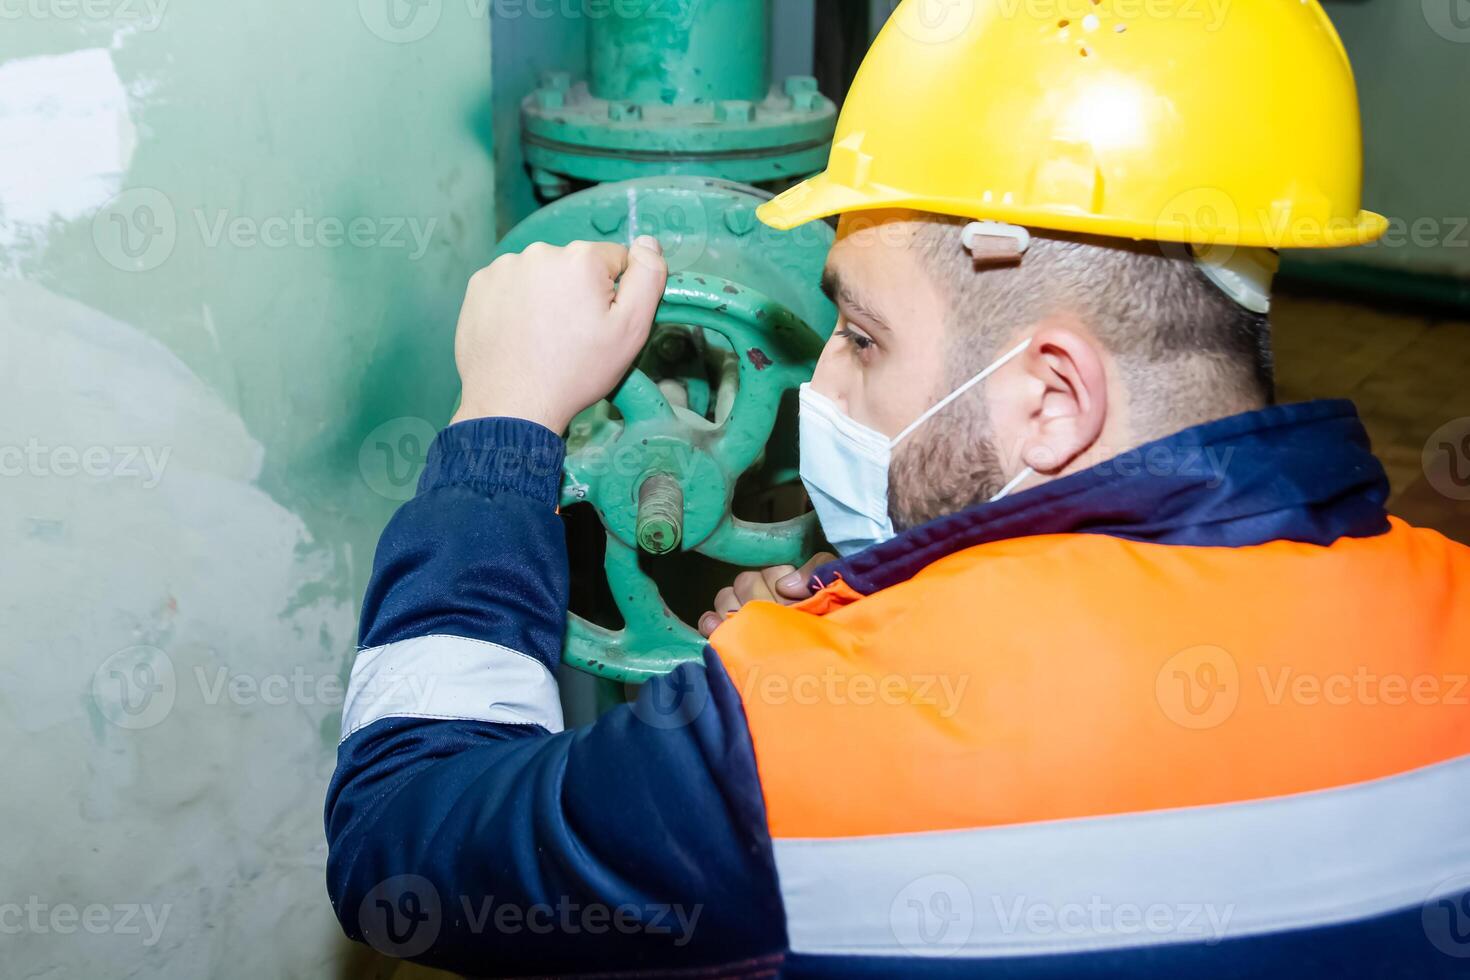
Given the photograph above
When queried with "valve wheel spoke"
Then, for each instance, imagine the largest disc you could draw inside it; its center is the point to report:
(652, 641)
(576, 480)
(767, 339)
(739, 542)
(774, 351)
(640, 397)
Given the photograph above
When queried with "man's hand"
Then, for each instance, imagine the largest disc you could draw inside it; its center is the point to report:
(785, 584)
(546, 333)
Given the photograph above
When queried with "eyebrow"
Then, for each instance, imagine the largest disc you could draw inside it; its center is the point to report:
(839, 291)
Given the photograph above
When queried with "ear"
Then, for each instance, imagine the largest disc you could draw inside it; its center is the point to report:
(1052, 408)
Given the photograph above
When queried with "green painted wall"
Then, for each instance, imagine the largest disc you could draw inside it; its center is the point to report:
(233, 241)
(1412, 62)
(525, 46)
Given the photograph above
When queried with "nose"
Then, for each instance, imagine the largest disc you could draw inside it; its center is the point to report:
(833, 374)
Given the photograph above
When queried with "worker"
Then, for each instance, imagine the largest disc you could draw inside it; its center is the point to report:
(1123, 668)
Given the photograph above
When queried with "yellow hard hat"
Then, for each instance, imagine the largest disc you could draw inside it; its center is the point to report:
(1214, 122)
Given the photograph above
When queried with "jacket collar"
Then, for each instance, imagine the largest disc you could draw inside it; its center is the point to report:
(1301, 472)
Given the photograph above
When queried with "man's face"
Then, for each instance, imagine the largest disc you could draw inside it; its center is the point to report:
(884, 364)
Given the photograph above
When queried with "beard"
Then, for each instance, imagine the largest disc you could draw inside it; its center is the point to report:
(950, 463)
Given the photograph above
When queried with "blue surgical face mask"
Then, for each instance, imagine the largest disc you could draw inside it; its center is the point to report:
(844, 465)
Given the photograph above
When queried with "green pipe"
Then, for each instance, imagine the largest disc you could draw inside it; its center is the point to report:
(680, 52)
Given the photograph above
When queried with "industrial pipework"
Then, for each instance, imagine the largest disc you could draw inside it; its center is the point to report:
(677, 117)
(675, 87)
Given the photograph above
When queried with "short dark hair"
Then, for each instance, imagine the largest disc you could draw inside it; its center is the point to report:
(1179, 341)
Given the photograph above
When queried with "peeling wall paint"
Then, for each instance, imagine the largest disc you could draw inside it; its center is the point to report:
(70, 111)
(233, 242)
(206, 798)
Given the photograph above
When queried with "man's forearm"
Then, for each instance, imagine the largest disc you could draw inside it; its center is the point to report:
(465, 828)
(479, 553)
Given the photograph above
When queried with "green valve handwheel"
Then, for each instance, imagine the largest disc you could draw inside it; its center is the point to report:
(741, 326)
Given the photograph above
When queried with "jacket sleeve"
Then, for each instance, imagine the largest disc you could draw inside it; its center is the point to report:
(468, 830)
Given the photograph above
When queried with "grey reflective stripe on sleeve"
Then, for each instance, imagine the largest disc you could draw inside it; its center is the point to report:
(450, 677)
(1200, 874)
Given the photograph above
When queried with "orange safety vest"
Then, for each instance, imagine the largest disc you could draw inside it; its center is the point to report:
(1077, 675)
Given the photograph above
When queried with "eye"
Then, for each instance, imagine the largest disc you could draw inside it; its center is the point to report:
(859, 342)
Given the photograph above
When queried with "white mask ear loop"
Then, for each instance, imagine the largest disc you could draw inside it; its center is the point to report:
(1015, 352)
(1020, 478)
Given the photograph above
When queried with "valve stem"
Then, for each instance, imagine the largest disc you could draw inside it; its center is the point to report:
(660, 514)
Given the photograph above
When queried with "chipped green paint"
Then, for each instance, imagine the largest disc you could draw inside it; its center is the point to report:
(680, 52)
(740, 328)
(675, 87)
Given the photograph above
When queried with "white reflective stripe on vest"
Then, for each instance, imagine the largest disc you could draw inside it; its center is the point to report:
(450, 677)
(1193, 875)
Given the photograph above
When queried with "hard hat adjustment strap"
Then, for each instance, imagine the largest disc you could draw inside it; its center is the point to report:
(1242, 273)
(994, 242)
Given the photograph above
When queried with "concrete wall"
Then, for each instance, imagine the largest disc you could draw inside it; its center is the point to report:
(233, 241)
